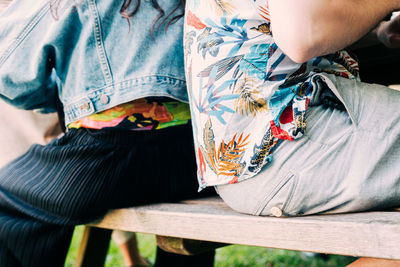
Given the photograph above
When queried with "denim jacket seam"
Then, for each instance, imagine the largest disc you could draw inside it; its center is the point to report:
(87, 103)
(126, 84)
(105, 67)
(23, 34)
(73, 112)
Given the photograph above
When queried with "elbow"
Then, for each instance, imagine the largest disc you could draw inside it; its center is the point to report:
(300, 54)
(305, 29)
(302, 42)
(296, 47)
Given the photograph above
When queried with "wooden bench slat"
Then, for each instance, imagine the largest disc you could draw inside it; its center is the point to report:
(205, 201)
(370, 234)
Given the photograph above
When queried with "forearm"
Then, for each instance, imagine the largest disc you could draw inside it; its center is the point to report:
(304, 29)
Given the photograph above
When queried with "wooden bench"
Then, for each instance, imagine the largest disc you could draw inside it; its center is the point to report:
(195, 226)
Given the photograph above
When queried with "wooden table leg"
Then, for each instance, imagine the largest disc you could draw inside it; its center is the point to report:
(93, 247)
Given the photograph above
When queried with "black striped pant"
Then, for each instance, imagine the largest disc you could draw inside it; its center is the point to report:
(75, 179)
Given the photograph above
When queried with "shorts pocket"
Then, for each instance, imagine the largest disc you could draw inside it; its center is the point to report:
(279, 198)
(319, 81)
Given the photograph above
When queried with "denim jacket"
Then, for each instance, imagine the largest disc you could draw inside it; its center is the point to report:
(100, 59)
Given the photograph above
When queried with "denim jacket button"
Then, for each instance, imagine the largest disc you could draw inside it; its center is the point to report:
(104, 99)
(277, 212)
(85, 106)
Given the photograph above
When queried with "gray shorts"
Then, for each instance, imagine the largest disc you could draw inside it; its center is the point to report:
(347, 161)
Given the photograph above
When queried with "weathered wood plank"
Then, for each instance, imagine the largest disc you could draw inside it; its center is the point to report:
(205, 201)
(372, 234)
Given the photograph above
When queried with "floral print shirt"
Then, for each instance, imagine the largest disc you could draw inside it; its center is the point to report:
(246, 95)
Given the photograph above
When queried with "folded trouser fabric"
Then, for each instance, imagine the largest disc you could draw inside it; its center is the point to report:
(72, 180)
(347, 161)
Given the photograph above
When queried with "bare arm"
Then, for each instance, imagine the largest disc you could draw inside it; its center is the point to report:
(304, 29)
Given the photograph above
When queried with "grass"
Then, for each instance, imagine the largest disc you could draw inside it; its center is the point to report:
(230, 256)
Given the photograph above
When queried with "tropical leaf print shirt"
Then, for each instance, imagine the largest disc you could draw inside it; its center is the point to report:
(246, 96)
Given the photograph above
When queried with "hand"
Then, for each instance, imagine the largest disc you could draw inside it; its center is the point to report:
(388, 32)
